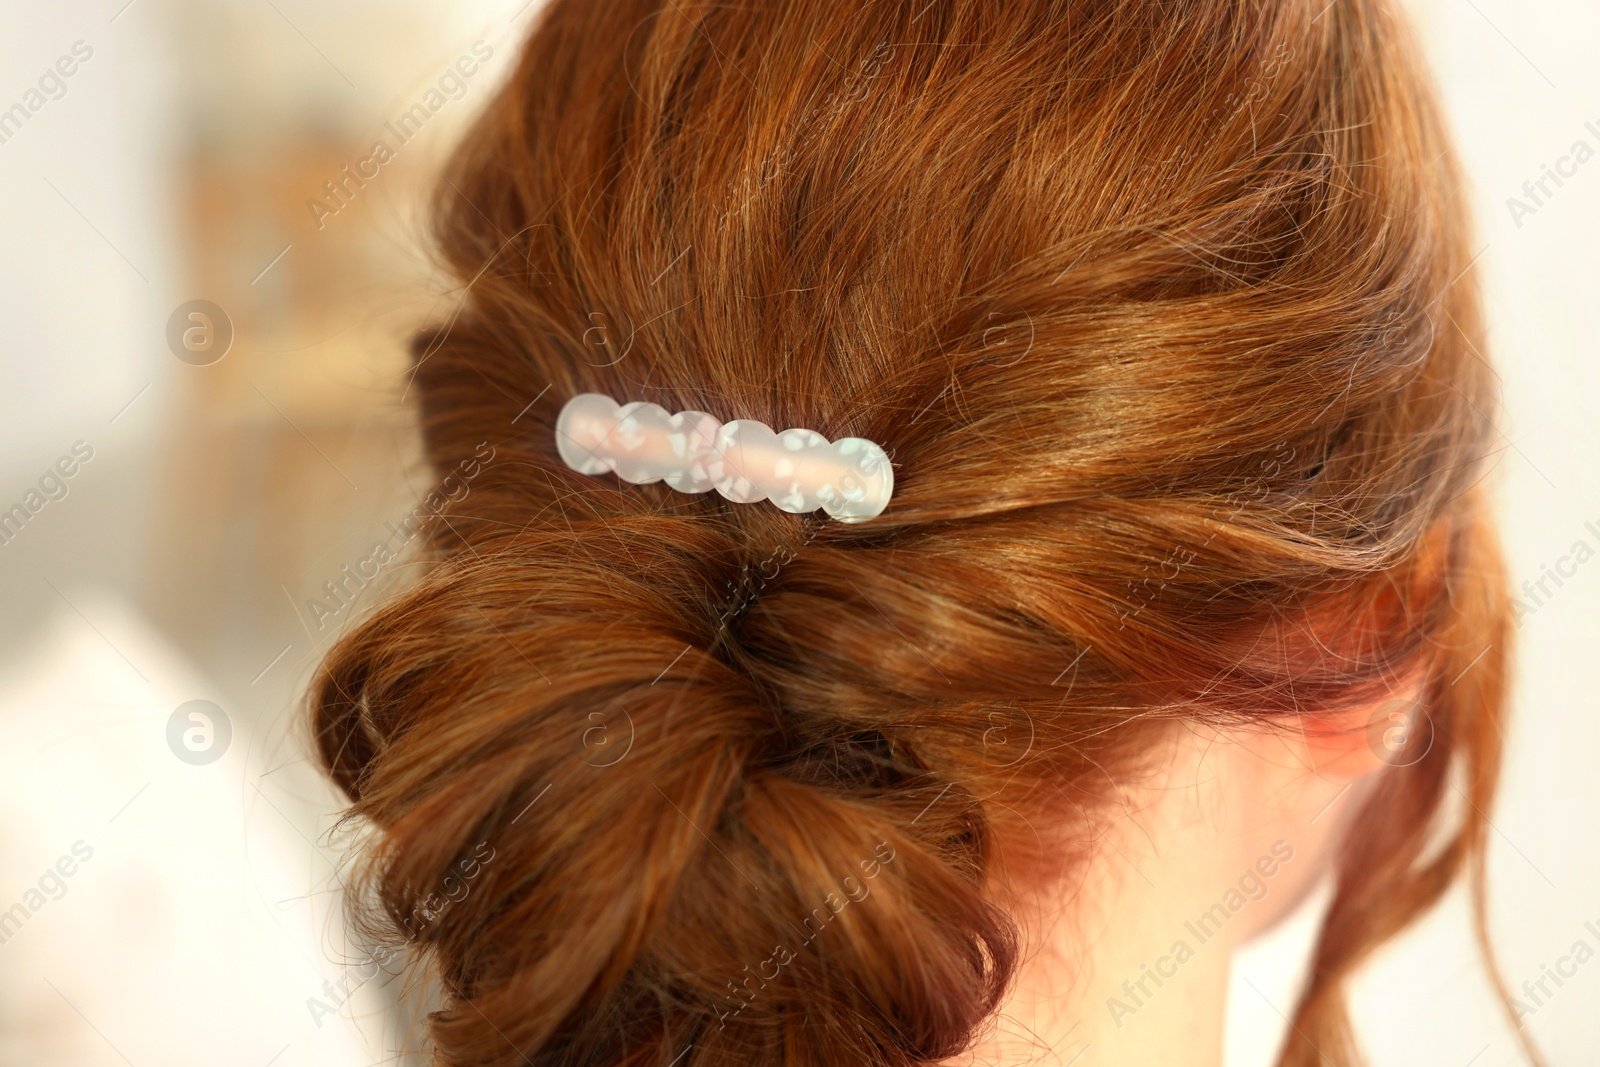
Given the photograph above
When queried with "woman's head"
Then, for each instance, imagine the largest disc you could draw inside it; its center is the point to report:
(1164, 317)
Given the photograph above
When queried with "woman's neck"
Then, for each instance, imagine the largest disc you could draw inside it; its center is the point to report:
(1130, 964)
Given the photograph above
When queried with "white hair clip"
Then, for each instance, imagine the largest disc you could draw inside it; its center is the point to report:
(798, 470)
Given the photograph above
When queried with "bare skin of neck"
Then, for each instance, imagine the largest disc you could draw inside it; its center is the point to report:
(1126, 961)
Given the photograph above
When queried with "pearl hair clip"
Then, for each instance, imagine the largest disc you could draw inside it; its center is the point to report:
(744, 460)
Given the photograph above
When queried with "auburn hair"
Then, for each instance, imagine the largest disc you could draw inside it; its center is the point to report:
(1166, 318)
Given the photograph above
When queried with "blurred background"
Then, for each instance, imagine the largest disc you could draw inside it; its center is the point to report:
(210, 271)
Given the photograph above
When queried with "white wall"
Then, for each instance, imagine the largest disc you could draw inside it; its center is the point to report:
(1521, 82)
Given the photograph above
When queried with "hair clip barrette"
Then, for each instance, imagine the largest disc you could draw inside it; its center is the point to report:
(744, 460)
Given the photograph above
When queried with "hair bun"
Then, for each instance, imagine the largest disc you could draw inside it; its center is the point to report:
(559, 709)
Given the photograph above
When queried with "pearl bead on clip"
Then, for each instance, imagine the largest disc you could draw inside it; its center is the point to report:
(744, 460)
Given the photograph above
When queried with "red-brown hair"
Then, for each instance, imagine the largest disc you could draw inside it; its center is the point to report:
(1165, 315)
